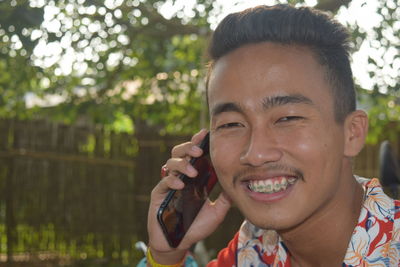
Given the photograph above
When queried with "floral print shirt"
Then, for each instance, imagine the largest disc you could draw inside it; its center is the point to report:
(375, 240)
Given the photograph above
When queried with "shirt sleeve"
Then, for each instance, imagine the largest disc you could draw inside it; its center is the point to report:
(227, 256)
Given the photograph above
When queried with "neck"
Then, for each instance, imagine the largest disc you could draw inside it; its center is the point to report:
(322, 239)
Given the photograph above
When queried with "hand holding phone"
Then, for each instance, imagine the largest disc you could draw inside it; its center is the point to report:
(206, 222)
(180, 208)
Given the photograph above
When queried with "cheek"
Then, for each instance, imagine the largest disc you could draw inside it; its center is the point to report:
(225, 156)
(219, 157)
(318, 138)
(319, 154)
(307, 142)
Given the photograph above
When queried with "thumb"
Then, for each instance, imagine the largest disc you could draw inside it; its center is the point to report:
(223, 201)
(220, 206)
(209, 218)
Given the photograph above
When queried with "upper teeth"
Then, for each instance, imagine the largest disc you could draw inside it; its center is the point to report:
(270, 186)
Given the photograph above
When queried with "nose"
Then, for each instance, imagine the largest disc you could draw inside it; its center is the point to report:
(261, 148)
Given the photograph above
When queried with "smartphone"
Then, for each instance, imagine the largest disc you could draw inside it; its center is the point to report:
(180, 207)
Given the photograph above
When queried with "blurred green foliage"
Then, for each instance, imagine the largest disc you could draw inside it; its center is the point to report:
(121, 63)
(130, 65)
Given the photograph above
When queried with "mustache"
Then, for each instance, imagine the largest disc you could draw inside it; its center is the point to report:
(273, 167)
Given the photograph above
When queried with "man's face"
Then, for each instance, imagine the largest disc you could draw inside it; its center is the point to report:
(275, 144)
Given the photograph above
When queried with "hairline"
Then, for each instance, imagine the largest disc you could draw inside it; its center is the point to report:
(314, 53)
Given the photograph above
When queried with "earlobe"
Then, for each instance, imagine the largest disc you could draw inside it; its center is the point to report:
(356, 129)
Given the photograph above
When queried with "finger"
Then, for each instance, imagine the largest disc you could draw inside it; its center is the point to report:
(177, 166)
(173, 182)
(217, 209)
(209, 218)
(198, 137)
(166, 184)
(190, 148)
(186, 149)
(223, 202)
(164, 171)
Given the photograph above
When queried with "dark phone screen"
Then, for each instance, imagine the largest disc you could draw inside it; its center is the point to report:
(181, 207)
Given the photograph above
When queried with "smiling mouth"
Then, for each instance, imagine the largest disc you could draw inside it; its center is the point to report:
(271, 185)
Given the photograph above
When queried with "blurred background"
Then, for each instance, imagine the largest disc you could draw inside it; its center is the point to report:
(94, 94)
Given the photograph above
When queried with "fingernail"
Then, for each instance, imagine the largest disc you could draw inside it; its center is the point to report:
(177, 183)
(196, 149)
(191, 170)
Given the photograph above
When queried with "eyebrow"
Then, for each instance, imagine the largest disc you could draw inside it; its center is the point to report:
(267, 103)
(274, 101)
(226, 107)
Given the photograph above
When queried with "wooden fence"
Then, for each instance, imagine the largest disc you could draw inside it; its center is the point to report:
(82, 192)
(76, 191)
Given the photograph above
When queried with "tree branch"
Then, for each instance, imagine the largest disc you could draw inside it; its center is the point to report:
(331, 5)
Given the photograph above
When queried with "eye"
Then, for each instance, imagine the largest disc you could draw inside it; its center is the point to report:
(229, 125)
(290, 118)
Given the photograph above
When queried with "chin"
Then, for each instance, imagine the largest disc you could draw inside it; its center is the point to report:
(271, 225)
(274, 222)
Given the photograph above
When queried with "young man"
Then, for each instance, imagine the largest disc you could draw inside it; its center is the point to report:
(283, 132)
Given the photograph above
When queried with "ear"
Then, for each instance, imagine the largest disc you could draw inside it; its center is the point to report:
(355, 132)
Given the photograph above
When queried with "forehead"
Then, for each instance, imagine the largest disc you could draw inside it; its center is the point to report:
(267, 69)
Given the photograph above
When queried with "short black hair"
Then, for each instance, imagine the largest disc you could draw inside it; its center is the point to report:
(284, 24)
